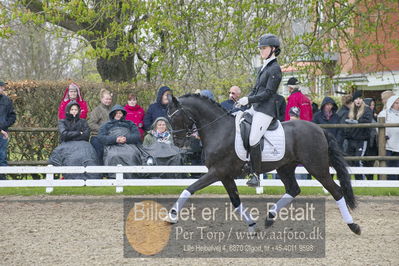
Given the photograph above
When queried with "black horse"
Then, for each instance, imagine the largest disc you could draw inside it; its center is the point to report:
(306, 144)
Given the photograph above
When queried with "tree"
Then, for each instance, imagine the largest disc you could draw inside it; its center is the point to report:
(208, 43)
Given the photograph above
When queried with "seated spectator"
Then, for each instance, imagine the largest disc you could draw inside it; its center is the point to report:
(7, 119)
(135, 113)
(120, 137)
(158, 143)
(75, 149)
(99, 116)
(328, 115)
(358, 138)
(72, 93)
(391, 115)
(157, 109)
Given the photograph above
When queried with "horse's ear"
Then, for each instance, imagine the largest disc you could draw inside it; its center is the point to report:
(173, 100)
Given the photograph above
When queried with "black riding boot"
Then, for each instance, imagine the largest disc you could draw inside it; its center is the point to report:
(256, 163)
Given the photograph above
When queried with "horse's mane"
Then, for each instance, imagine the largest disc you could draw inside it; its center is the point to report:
(197, 95)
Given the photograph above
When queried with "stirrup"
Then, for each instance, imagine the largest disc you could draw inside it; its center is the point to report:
(254, 181)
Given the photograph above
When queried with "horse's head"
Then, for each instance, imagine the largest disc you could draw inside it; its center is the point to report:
(181, 121)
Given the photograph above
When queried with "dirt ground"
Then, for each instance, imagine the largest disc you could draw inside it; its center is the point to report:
(88, 230)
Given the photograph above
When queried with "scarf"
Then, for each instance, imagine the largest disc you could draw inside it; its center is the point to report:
(161, 137)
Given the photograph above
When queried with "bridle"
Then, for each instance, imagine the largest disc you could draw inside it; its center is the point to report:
(189, 131)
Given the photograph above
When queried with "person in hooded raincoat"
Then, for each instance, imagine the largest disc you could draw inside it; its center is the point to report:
(158, 143)
(75, 149)
(73, 93)
(120, 137)
(157, 109)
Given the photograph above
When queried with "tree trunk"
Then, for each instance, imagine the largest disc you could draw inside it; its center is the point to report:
(116, 68)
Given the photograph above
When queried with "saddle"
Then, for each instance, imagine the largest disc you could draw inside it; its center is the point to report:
(245, 128)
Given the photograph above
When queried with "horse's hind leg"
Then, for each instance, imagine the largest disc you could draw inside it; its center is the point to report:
(231, 189)
(325, 178)
(202, 182)
(287, 175)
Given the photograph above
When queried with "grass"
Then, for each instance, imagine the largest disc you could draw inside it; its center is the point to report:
(174, 190)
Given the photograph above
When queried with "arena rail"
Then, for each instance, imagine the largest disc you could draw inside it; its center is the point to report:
(119, 182)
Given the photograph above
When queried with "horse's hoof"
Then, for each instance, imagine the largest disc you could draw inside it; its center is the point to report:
(252, 229)
(172, 217)
(269, 221)
(355, 228)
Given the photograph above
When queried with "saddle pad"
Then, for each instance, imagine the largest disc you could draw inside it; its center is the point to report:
(273, 151)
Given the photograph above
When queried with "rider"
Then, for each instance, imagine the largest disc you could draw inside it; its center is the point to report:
(261, 98)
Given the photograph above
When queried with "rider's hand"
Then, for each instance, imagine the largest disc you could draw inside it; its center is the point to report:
(243, 101)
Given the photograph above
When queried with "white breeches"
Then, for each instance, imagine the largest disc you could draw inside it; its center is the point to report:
(260, 123)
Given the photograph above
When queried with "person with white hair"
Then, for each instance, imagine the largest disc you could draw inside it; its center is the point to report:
(298, 99)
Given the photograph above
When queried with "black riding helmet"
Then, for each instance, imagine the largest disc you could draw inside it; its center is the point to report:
(272, 41)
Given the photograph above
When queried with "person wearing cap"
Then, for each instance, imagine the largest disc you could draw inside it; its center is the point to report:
(298, 99)
(261, 98)
(72, 93)
(358, 138)
(7, 119)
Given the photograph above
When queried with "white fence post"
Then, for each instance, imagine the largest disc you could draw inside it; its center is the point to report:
(49, 177)
(118, 180)
(259, 190)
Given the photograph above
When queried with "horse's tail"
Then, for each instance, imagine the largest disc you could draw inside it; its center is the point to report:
(336, 157)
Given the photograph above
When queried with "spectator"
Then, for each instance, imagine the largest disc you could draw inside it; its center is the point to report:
(385, 95)
(391, 115)
(159, 145)
(372, 149)
(75, 149)
(281, 106)
(160, 132)
(299, 100)
(135, 113)
(98, 117)
(328, 115)
(7, 119)
(346, 101)
(157, 109)
(72, 93)
(358, 138)
(208, 94)
(120, 137)
(234, 96)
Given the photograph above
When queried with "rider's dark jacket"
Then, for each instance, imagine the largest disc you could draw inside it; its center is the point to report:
(264, 92)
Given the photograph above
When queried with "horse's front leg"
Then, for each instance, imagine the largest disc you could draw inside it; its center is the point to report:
(232, 190)
(204, 181)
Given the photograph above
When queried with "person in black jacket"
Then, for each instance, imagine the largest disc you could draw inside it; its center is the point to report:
(73, 127)
(262, 99)
(328, 115)
(7, 118)
(75, 149)
(358, 138)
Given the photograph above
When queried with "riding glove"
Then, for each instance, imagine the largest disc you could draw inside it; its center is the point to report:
(243, 101)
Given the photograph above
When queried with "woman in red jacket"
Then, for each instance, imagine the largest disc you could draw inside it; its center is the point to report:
(135, 113)
(72, 93)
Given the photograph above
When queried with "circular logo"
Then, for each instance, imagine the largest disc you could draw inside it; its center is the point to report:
(146, 229)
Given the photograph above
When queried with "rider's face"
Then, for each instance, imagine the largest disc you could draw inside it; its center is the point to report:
(264, 51)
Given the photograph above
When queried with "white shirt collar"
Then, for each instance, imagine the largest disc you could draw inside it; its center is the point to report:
(267, 61)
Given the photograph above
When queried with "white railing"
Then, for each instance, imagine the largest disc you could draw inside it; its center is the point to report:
(119, 182)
